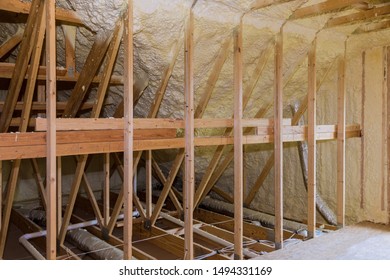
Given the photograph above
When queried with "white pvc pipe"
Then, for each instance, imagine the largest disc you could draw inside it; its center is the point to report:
(24, 239)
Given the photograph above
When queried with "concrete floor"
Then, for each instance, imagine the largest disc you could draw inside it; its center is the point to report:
(364, 241)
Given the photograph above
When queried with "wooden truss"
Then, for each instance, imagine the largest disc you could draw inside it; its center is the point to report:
(51, 137)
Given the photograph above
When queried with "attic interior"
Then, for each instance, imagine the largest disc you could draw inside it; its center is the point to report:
(184, 129)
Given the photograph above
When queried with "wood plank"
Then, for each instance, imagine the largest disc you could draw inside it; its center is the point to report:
(70, 47)
(11, 43)
(26, 47)
(362, 140)
(41, 106)
(148, 182)
(51, 165)
(20, 7)
(312, 141)
(375, 13)
(238, 144)
(388, 127)
(214, 75)
(106, 189)
(323, 8)
(40, 183)
(59, 193)
(90, 68)
(189, 163)
(128, 134)
(341, 117)
(278, 143)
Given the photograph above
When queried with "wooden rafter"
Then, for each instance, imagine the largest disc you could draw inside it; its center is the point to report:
(11, 43)
(20, 7)
(372, 14)
(323, 7)
(70, 47)
(374, 27)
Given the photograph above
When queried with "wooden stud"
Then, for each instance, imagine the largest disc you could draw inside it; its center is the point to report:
(40, 183)
(70, 47)
(1, 194)
(312, 141)
(148, 182)
(384, 131)
(11, 43)
(388, 126)
(375, 13)
(322, 8)
(238, 144)
(341, 104)
(59, 193)
(128, 134)
(189, 171)
(51, 94)
(278, 140)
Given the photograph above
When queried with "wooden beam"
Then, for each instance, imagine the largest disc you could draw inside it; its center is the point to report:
(20, 7)
(51, 95)
(11, 43)
(278, 140)
(269, 164)
(238, 144)
(91, 67)
(59, 193)
(259, 4)
(323, 8)
(362, 140)
(106, 189)
(372, 14)
(189, 163)
(341, 104)
(22, 60)
(388, 126)
(40, 183)
(213, 78)
(70, 47)
(128, 134)
(1, 196)
(205, 185)
(374, 27)
(312, 141)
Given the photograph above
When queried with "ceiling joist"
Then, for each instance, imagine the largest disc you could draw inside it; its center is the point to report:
(375, 13)
(324, 7)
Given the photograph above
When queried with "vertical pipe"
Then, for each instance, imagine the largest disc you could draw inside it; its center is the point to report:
(189, 183)
(278, 140)
(148, 171)
(312, 141)
(341, 103)
(51, 178)
(128, 134)
(238, 145)
(106, 189)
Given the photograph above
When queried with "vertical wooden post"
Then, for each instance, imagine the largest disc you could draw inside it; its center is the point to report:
(238, 145)
(128, 134)
(1, 193)
(312, 141)
(51, 180)
(362, 139)
(341, 103)
(189, 183)
(59, 193)
(278, 140)
(106, 189)
(148, 171)
(388, 127)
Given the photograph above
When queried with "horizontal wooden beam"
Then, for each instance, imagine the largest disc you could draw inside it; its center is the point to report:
(6, 70)
(20, 7)
(41, 106)
(374, 13)
(33, 145)
(69, 124)
(323, 7)
(11, 43)
(374, 27)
